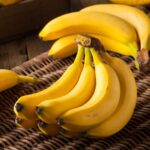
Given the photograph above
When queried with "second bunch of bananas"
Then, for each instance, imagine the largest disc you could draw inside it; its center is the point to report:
(85, 99)
(120, 28)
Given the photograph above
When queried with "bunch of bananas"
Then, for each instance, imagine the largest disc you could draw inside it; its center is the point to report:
(85, 99)
(93, 96)
(120, 28)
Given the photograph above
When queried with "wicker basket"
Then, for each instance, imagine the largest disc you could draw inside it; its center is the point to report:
(136, 135)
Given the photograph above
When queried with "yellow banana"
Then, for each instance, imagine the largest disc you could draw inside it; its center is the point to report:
(25, 123)
(63, 47)
(9, 79)
(66, 46)
(93, 22)
(25, 106)
(132, 2)
(132, 15)
(49, 110)
(101, 105)
(127, 102)
(8, 2)
(48, 129)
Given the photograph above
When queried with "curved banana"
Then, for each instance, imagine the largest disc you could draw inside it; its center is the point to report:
(48, 129)
(25, 106)
(63, 47)
(127, 102)
(49, 110)
(101, 105)
(132, 15)
(66, 46)
(9, 79)
(25, 123)
(8, 2)
(132, 2)
(93, 22)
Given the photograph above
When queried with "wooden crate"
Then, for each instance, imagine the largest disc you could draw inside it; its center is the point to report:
(28, 15)
(78, 4)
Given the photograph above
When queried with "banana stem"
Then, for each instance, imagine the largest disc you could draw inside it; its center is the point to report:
(88, 57)
(95, 55)
(80, 54)
(134, 49)
(22, 78)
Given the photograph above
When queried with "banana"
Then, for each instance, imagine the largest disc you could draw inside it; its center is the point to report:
(66, 46)
(63, 47)
(48, 129)
(93, 22)
(49, 110)
(9, 79)
(8, 2)
(25, 106)
(132, 2)
(101, 105)
(25, 123)
(127, 102)
(132, 15)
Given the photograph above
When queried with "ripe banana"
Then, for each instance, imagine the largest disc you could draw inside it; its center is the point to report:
(25, 106)
(66, 46)
(63, 47)
(101, 105)
(25, 123)
(132, 2)
(49, 110)
(8, 2)
(127, 102)
(93, 22)
(48, 129)
(132, 15)
(9, 79)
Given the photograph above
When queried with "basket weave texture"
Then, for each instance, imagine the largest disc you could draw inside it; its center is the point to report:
(136, 135)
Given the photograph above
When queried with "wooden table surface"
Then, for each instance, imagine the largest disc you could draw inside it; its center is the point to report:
(16, 52)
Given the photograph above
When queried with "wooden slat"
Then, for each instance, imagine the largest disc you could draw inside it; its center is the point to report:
(75, 5)
(16, 52)
(79, 4)
(13, 54)
(15, 20)
(35, 46)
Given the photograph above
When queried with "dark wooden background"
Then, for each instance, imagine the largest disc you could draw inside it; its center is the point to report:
(26, 46)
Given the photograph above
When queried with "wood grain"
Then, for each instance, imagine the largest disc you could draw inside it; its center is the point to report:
(79, 4)
(13, 54)
(18, 19)
(18, 51)
(35, 46)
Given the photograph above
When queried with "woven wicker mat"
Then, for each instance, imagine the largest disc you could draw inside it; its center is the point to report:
(136, 135)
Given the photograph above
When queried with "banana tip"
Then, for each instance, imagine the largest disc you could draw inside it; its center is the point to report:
(50, 56)
(60, 121)
(19, 107)
(18, 120)
(42, 124)
(38, 110)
